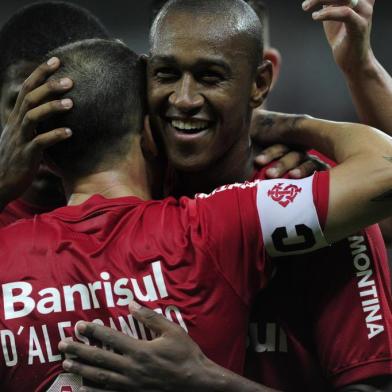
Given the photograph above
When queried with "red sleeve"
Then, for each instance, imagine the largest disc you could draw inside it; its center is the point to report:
(349, 299)
(231, 230)
(242, 221)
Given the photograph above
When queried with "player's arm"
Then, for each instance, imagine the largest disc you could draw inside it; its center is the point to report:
(170, 362)
(348, 33)
(377, 384)
(361, 185)
(21, 148)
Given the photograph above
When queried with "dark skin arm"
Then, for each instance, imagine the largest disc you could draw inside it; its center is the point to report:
(348, 33)
(376, 384)
(171, 362)
(21, 149)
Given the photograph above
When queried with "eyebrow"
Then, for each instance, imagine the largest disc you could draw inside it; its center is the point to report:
(206, 62)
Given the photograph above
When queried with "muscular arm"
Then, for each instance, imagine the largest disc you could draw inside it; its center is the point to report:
(371, 90)
(361, 185)
(348, 34)
(377, 384)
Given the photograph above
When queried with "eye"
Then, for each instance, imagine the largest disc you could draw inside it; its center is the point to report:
(211, 77)
(166, 74)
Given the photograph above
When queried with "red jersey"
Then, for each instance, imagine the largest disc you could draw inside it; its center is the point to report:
(325, 320)
(19, 209)
(198, 261)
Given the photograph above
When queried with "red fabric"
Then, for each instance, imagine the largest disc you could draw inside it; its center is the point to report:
(200, 262)
(311, 330)
(113, 245)
(19, 209)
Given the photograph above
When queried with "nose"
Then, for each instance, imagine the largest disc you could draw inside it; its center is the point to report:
(186, 96)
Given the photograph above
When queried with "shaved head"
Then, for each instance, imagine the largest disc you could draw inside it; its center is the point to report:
(238, 20)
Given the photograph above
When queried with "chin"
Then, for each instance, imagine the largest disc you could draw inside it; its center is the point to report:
(190, 164)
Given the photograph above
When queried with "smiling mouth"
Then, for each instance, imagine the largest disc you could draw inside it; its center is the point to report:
(189, 127)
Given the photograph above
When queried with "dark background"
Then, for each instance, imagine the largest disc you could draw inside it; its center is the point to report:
(310, 82)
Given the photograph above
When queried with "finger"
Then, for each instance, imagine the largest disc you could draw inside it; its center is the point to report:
(312, 5)
(152, 320)
(103, 377)
(41, 113)
(114, 339)
(44, 92)
(288, 162)
(271, 153)
(48, 139)
(94, 355)
(38, 76)
(308, 168)
(304, 170)
(353, 21)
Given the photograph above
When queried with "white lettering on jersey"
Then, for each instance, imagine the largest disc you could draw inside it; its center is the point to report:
(19, 302)
(10, 354)
(367, 286)
(275, 338)
(288, 217)
(35, 349)
(66, 382)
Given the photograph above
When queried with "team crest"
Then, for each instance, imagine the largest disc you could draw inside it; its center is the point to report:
(284, 195)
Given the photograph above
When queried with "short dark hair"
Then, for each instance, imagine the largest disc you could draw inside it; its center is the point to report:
(248, 23)
(261, 10)
(109, 105)
(258, 6)
(36, 29)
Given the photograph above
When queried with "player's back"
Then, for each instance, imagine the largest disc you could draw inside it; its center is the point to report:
(87, 262)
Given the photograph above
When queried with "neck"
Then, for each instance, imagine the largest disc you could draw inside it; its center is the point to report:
(235, 166)
(125, 178)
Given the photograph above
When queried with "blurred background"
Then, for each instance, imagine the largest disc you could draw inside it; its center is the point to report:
(309, 83)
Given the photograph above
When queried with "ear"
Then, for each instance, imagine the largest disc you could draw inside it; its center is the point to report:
(274, 56)
(261, 84)
(143, 58)
(148, 144)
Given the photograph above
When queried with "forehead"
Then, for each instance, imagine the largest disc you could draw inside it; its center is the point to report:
(186, 38)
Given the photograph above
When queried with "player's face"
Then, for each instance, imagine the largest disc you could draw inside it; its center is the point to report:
(200, 89)
(15, 76)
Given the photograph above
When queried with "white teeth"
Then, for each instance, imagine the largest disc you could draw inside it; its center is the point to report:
(188, 125)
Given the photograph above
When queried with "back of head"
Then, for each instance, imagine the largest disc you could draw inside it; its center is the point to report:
(230, 16)
(40, 27)
(109, 105)
(156, 7)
